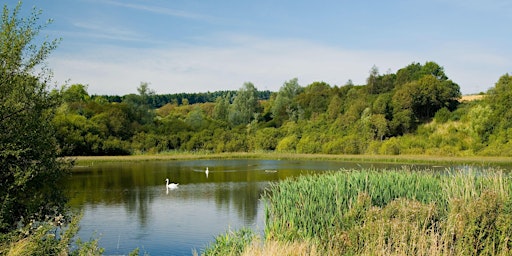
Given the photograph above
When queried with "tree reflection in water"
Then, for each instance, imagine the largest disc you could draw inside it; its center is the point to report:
(127, 202)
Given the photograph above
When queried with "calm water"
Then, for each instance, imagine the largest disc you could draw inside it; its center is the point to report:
(127, 205)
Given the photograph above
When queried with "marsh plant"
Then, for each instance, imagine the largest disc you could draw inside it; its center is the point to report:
(390, 212)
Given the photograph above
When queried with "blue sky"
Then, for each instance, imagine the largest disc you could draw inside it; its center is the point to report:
(197, 46)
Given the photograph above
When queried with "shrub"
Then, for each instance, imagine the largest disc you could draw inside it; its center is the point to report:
(442, 116)
(287, 144)
(390, 147)
(309, 144)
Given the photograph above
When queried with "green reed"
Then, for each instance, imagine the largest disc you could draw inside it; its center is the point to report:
(400, 211)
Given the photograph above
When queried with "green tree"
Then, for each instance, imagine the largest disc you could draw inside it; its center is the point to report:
(244, 105)
(335, 107)
(315, 99)
(372, 80)
(75, 93)
(196, 119)
(416, 71)
(30, 169)
(285, 105)
(430, 94)
(382, 105)
(145, 93)
(500, 100)
(379, 125)
(141, 104)
(221, 109)
(420, 99)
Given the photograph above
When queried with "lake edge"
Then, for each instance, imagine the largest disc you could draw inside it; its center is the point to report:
(401, 159)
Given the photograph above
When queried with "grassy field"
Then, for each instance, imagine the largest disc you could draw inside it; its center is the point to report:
(405, 159)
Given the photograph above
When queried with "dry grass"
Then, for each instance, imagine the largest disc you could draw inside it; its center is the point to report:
(257, 248)
(21, 247)
(471, 97)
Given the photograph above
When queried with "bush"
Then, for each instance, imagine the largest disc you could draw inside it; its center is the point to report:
(266, 139)
(287, 144)
(346, 145)
(309, 144)
(390, 147)
(442, 116)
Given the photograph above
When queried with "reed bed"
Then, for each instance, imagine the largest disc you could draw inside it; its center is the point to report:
(394, 212)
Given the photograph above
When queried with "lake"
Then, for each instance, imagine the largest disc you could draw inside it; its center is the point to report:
(126, 204)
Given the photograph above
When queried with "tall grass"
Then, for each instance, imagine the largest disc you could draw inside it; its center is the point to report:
(394, 212)
(229, 244)
(315, 207)
(387, 212)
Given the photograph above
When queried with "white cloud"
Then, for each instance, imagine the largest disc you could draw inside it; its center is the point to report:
(266, 63)
(104, 31)
(158, 10)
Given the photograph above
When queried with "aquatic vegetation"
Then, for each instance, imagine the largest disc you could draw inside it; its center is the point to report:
(389, 212)
(230, 243)
(394, 212)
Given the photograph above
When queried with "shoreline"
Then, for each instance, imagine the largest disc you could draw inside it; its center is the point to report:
(404, 159)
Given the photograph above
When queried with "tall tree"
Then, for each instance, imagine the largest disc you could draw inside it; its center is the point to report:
(30, 168)
(430, 94)
(315, 99)
(285, 106)
(141, 104)
(500, 100)
(221, 109)
(371, 81)
(244, 105)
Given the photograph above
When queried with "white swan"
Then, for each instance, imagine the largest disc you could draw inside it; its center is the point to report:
(206, 172)
(170, 185)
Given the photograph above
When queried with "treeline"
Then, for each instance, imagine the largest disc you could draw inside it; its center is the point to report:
(416, 110)
(158, 100)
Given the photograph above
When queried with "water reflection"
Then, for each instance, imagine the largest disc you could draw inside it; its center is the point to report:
(113, 195)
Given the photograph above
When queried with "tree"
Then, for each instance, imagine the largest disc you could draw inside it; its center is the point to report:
(30, 169)
(285, 105)
(416, 71)
(500, 100)
(221, 109)
(427, 95)
(371, 81)
(244, 105)
(335, 107)
(145, 93)
(315, 99)
(141, 104)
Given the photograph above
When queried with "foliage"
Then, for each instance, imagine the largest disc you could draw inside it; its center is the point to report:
(413, 111)
(51, 237)
(285, 106)
(28, 150)
(34, 219)
(499, 101)
(244, 105)
(393, 212)
(231, 243)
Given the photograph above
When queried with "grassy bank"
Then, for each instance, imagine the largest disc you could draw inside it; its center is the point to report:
(401, 159)
(389, 212)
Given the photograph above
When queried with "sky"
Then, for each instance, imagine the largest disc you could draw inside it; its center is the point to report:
(176, 46)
